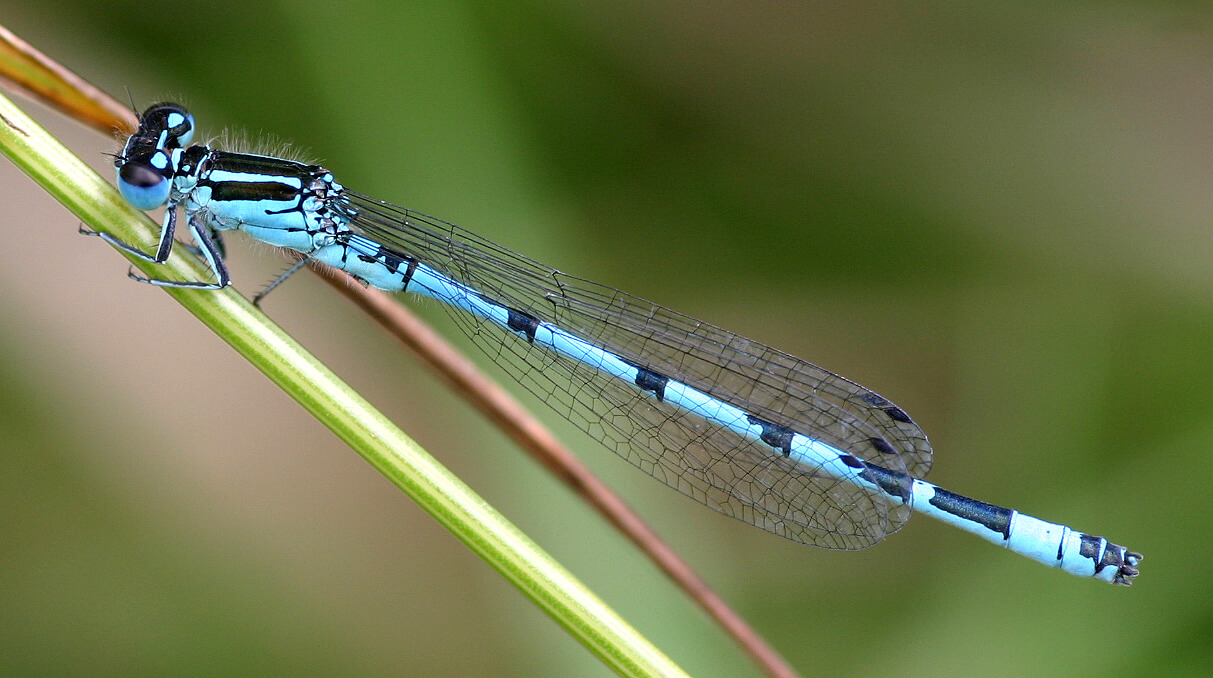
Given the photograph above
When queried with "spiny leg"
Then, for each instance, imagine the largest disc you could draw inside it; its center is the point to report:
(216, 237)
(280, 279)
(168, 227)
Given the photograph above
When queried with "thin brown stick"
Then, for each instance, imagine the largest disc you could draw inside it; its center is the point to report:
(33, 73)
(39, 76)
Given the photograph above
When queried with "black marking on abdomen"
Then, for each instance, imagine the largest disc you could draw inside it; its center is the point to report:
(408, 273)
(891, 483)
(995, 518)
(1089, 547)
(521, 322)
(649, 380)
(779, 437)
(392, 262)
(1113, 556)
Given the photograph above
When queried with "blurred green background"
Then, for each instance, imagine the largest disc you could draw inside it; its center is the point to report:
(997, 216)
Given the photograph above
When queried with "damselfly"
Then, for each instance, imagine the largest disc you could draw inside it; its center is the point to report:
(744, 428)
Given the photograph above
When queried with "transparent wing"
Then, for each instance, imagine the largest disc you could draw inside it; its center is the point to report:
(712, 464)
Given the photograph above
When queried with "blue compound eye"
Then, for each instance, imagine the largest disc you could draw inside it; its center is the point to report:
(144, 185)
(172, 120)
(180, 125)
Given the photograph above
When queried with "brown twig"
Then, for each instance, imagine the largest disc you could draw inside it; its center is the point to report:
(33, 73)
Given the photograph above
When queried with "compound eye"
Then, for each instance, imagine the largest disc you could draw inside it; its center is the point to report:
(170, 120)
(143, 184)
(180, 125)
